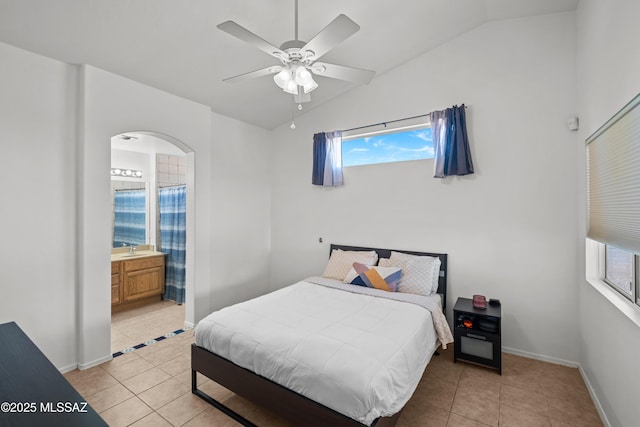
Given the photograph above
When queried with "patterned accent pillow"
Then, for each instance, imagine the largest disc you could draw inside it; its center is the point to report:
(420, 273)
(384, 278)
(340, 262)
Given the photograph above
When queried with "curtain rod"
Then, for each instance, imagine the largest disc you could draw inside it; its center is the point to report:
(389, 121)
(386, 123)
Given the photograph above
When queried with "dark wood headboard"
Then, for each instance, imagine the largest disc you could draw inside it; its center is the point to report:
(386, 253)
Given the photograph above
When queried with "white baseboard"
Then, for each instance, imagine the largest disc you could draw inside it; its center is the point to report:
(189, 325)
(83, 366)
(594, 397)
(541, 357)
(69, 368)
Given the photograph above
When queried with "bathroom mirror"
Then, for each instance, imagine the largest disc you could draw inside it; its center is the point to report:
(130, 213)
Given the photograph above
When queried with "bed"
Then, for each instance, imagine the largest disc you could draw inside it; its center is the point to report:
(323, 351)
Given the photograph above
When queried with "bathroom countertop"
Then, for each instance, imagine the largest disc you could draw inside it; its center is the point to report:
(138, 254)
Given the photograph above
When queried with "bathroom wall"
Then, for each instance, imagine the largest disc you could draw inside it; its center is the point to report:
(170, 170)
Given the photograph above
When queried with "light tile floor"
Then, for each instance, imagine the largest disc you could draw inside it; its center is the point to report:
(152, 387)
(135, 326)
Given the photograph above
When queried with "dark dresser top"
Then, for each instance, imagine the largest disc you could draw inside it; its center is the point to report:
(29, 381)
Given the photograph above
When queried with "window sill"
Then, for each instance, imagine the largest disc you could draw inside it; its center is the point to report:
(389, 162)
(628, 308)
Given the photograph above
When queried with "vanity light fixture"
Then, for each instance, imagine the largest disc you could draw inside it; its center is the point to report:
(127, 173)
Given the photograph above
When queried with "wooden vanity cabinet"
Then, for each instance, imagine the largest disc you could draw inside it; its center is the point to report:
(115, 282)
(143, 277)
(136, 281)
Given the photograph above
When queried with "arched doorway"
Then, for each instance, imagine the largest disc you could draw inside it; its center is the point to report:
(150, 166)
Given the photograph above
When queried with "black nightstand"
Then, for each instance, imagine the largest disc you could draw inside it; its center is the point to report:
(477, 334)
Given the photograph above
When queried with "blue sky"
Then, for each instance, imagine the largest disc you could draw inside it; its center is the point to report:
(395, 147)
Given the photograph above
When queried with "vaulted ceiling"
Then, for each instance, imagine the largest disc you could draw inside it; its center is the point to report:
(174, 45)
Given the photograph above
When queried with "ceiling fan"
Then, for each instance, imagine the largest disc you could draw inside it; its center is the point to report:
(299, 59)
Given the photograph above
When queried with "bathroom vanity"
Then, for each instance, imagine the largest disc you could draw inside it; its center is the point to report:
(136, 278)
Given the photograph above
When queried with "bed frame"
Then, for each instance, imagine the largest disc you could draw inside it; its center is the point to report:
(290, 405)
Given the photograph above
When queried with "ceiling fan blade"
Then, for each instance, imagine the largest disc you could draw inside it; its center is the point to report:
(351, 74)
(331, 36)
(253, 74)
(247, 36)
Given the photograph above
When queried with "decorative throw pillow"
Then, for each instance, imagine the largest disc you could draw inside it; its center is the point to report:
(385, 262)
(340, 262)
(420, 273)
(384, 278)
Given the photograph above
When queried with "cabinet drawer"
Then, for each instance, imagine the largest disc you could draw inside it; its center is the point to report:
(144, 263)
(115, 267)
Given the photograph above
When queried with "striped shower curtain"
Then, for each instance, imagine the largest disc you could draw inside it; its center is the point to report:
(129, 224)
(172, 201)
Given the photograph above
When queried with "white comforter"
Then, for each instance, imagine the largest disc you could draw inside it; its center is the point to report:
(360, 355)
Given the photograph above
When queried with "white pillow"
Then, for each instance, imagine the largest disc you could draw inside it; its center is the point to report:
(419, 273)
(340, 262)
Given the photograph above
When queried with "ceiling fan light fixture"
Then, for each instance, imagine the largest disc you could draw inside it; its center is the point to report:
(297, 58)
(303, 76)
(282, 78)
(310, 86)
(291, 87)
(305, 79)
(300, 98)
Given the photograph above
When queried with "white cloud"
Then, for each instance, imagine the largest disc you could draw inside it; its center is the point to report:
(423, 136)
(417, 150)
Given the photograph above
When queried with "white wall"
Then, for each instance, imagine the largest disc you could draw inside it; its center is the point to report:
(240, 211)
(228, 176)
(38, 214)
(111, 105)
(608, 70)
(56, 124)
(509, 229)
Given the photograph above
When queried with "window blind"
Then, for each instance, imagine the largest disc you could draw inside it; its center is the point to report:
(613, 180)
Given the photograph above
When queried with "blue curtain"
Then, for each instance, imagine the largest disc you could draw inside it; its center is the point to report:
(327, 159)
(129, 225)
(173, 207)
(450, 142)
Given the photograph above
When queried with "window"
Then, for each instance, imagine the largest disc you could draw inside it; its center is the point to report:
(389, 145)
(613, 199)
(619, 271)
